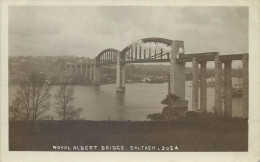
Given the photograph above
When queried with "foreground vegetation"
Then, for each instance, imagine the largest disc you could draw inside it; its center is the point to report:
(188, 135)
(32, 100)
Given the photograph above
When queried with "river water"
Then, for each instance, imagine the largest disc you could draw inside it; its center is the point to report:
(140, 99)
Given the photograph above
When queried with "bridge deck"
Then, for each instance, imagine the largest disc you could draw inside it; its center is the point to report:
(200, 57)
(209, 56)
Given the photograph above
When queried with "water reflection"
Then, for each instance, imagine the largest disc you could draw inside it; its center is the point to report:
(96, 88)
(120, 98)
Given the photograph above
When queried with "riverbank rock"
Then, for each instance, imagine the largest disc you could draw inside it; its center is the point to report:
(172, 112)
(176, 107)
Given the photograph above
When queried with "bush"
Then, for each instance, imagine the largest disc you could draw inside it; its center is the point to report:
(191, 114)
(155, 117)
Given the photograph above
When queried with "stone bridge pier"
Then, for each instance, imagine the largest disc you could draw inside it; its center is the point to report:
(96, 73)
(91, 72)
(223, 82)
(120, 74)
(177, 70)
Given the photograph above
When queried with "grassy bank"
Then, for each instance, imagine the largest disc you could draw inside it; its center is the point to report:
(192, 135)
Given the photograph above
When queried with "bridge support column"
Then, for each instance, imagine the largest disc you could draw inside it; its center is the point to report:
(76, 68)
(228, 89)
(86, 72)
(89, 73)
(195, 87)
(73, 70)
(65, 68)
(120, 75)
(91, 69)
(96, 79)
(203, 86)
(245, 86)
(83, 72)
(81, 69)
(177, 70)
(69, 70)
(218, 86)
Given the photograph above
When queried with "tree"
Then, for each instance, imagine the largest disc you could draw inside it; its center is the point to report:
(15, 110)
(32, 98)
(64, 99)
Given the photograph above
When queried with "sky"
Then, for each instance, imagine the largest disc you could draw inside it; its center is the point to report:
(85, 31)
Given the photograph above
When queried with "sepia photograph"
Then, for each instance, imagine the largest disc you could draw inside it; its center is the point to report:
(128, 78)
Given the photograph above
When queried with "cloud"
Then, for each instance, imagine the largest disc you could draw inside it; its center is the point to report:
(31, 21)
(194, 15)
(85, 31)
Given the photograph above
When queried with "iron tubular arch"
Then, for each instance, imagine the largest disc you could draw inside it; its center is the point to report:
(135, 53)
(107, 56)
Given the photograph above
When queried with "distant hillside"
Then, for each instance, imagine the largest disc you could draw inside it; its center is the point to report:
(20, 67)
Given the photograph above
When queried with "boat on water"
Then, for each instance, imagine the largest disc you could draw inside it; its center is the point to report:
(154, 80)
(157, 80)
(210, 83)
